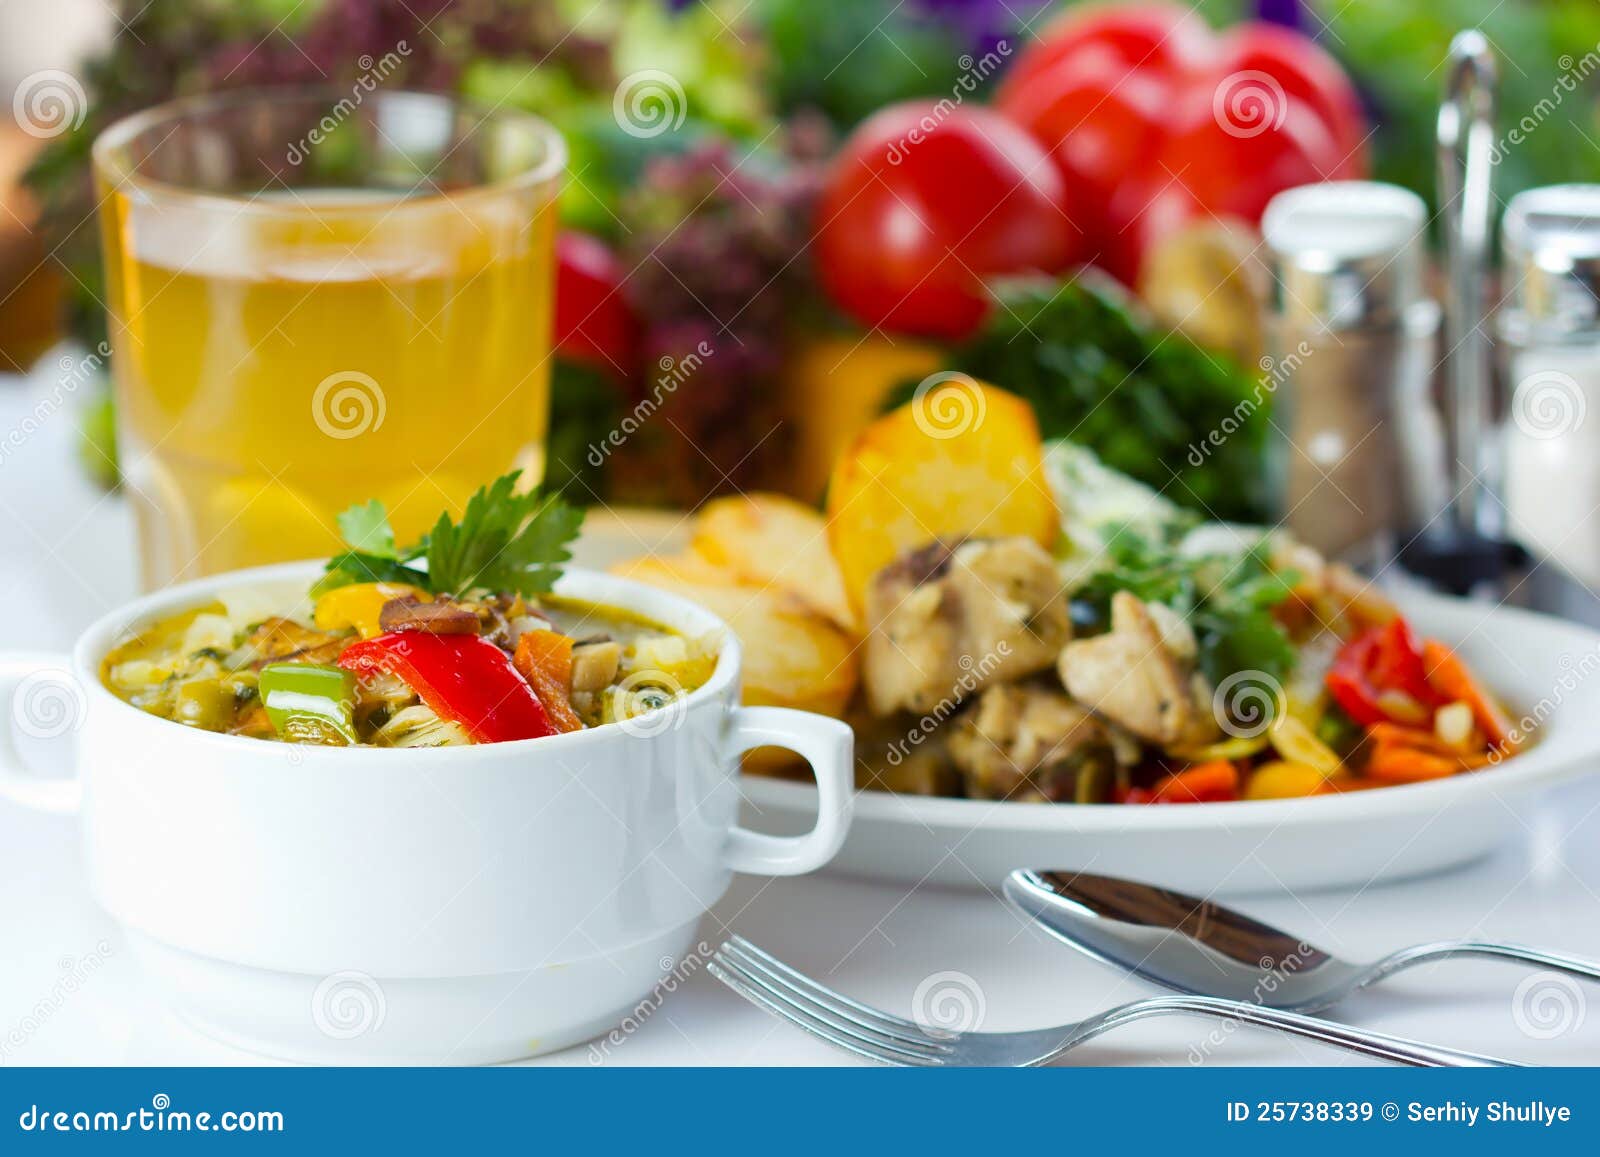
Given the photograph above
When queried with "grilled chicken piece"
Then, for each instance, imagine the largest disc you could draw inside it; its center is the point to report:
(1141, 675)
(910, 653)
(948, 621)
(1027, 742)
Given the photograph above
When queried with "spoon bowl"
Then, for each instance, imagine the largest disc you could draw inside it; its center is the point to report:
(1198, 946)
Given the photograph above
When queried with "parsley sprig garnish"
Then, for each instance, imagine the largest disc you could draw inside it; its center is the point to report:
(505, 541)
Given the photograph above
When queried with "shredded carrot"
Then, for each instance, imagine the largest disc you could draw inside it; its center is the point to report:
(551, 651)
(1217, 779)
(1448, 675)
(1396, 764)
(544, 659)
(1399, 735)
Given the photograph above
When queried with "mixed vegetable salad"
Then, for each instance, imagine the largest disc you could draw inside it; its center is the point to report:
(455, 640)
(1005, 619)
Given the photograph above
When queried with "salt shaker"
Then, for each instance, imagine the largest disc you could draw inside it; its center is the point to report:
(1352, 337)
(1549, 331)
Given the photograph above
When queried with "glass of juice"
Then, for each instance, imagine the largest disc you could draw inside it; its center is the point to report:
(318, 297)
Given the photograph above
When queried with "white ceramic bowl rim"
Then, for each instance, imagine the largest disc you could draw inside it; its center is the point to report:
(603, 589)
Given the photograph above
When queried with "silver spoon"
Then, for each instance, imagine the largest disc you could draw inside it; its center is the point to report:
(1198, 946)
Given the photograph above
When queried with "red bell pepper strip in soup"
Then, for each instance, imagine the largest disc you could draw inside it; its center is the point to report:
(463, 678)
(1379, 677)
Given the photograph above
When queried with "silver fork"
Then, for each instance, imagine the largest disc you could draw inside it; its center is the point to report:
(789, 995)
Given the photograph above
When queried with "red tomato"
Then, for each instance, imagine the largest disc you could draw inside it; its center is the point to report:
(594, 324)
(1149, 206)
(922, 205)
(1165, 39)
(1211, 166)
(1154, 122)
(1305, 74)
(1234, 171)
(1101, 123)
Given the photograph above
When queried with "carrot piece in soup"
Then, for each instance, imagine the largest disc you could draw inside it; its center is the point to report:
(544, 659)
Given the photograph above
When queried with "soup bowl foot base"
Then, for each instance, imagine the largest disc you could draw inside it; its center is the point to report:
(351, 1017)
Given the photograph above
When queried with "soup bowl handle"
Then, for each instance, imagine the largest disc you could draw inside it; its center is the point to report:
(40, 697)
(829, 747)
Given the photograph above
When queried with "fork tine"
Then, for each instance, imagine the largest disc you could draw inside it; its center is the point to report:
(812, 1028)
(805, 999)
(892, 1026)
(813, 1020)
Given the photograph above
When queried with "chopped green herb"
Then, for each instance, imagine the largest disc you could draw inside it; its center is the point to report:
(366, 528)
(1226, 599)
(505, 541)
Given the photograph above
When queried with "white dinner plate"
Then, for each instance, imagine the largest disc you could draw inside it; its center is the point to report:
(1547, 670)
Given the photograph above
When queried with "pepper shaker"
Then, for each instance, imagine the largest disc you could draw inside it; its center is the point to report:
(1361, 448)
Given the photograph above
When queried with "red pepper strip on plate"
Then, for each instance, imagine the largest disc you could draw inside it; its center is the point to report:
(464, 678)
(1379, 677)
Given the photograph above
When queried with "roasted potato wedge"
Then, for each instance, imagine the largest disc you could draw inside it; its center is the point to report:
(793, 657)
(772, 540)
(960, 459)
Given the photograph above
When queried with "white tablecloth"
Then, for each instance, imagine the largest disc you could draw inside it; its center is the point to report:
(66, 555)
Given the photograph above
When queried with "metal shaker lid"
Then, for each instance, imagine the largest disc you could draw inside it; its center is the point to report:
(1551, 241)
(1345, 254)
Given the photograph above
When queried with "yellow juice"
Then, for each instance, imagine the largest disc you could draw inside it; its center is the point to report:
(277, 364)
